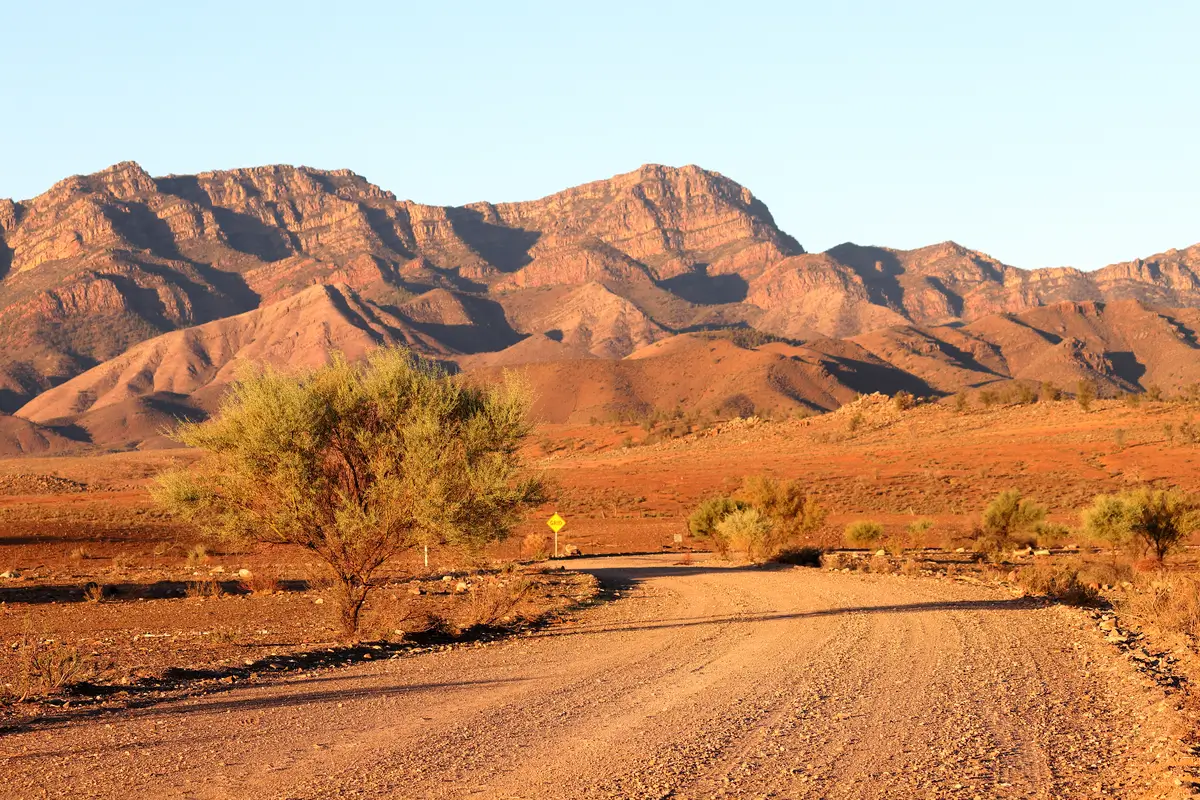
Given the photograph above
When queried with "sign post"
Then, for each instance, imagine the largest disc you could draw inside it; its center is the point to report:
(556, 524)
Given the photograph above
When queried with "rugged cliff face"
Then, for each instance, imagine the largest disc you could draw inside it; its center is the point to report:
(102, 262)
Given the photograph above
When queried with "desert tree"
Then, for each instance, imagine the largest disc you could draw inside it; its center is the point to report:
(357, 462)
(1158, 519)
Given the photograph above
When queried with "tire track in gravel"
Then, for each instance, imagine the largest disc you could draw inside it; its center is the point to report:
(698, 682)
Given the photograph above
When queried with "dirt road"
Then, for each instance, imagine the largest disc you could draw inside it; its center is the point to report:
(701, 681)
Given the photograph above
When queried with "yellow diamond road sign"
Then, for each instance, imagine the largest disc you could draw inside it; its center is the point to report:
(556, 522)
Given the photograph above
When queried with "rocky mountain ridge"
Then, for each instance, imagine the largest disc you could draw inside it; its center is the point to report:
(102, 263)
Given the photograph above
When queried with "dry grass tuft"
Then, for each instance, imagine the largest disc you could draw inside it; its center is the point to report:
(197, 555)
(493, 601)
(1170, 602)
(44, 667)
(261, 583)
(204, 587)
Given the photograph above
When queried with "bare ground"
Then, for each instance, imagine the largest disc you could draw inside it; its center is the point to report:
(700, 681)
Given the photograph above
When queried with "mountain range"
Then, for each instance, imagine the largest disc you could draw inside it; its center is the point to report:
(127, 300)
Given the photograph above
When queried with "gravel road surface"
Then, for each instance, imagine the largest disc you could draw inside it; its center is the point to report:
(697, 681)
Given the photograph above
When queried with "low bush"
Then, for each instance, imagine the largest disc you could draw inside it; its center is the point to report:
(916, 533)
(749, 531)
(1050, 534)
(1060, 582)
(863, 533)
(1010, 519)
(492, 601)
(1169, 602)
(535, 546)
(1085, 393)
(800, 556)
(703, 521)
(791, 509)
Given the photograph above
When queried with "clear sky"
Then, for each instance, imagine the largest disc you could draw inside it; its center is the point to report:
(1045, 133)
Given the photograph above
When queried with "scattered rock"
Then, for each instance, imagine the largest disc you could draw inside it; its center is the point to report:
(38, 484)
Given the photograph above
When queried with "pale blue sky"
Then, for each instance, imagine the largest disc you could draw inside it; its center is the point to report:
(1044, 133)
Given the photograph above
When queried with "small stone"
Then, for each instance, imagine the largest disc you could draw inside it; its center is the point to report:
(245, 573)
(320, 601)
(461, 587)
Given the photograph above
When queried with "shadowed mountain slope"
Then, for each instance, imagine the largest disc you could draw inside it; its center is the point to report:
(118, 286)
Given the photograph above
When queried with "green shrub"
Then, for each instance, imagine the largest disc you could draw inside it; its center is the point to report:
(1009, 518)
(790, 508)
(916, 530)
(863, 533)
(962, 403)
(751, 532)
(702, 523)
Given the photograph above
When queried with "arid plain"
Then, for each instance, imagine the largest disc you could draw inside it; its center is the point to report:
(677, 345)
(897, 676)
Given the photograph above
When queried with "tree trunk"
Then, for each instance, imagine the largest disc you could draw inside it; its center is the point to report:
(353, 596)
